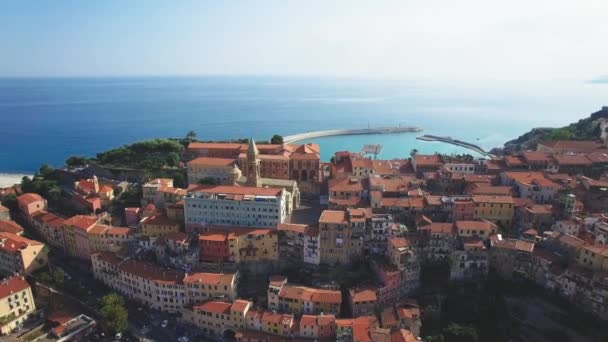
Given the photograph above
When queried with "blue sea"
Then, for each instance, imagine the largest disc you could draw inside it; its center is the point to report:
(45, 120)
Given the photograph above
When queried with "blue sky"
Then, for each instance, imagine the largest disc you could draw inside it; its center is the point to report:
(432, 39)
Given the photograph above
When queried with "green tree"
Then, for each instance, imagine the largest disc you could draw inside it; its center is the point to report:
(10, 201)
(45, 278)
(191, 135)
(413, 152)
(58, 276)
(113, 313)
(206, 181)
(173, 159)
(276, 139)
(76, 161)
(455, 332)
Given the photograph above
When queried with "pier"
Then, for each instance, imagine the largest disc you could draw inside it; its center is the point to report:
(355, 131)
(450, 140)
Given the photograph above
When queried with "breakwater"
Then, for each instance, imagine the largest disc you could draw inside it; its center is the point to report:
(450, 140)
(355, 131)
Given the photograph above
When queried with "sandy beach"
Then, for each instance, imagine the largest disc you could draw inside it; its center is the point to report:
(8, 179)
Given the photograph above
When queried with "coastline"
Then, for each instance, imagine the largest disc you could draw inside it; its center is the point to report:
(10, 179)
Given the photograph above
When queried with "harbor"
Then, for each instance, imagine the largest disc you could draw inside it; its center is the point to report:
(355, 131)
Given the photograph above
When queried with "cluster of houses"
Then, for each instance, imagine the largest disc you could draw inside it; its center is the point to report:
(537, 216)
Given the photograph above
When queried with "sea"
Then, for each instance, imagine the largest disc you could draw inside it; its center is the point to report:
(46, 120)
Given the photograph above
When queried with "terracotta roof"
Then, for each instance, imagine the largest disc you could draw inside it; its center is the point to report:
(480, 189)
(49, 218)
(583, 145)
(598, 157)
(439, 228)
(364, 163)
(428, 160)
(476, 225)
(143, 269)
(81, 222)
(540, 209)
(235, 190)
(333, 216)
(214, 307)
(388, 317)
(204, 161)
(9, 243)
(292, 227)
(350, 184)
(105, 188)
(402, 335)
(513, 244)
(9, 286)
(240, 305)
(311, 294)
(10, 227)
(213, 236)
(531, 178)
(210, 278)
(29, 198)
(536, 157)
(398, 242)
(98, 229)
(514, 161)
(572, 159)
(363, 295)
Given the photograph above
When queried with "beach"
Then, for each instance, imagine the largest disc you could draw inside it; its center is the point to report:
(8, 179)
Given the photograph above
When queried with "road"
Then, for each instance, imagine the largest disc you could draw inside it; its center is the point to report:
(144, 323)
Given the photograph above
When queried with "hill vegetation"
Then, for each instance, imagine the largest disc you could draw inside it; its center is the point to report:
(585, 129)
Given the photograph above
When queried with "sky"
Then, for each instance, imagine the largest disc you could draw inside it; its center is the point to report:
(513, 40)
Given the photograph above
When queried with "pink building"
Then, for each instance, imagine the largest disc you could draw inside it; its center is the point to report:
(30, 203)
(463, 209)
(390, 277)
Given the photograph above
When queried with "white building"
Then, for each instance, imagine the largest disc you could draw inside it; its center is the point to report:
(235, 205)
(312, 254)
(161, 288)
(16, 303)
(570, 227)
(465, 168)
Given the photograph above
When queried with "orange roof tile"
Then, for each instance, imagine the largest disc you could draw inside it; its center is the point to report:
(210, 278)
(333, 216)
(531, 178)
(485, 226)
(204, 161)
(363, 295)
(398, 242)
(572, 159)
(9, 286)
(428, 160)
(81, 222)
(29, 198)
(10, 227)
(214, 307)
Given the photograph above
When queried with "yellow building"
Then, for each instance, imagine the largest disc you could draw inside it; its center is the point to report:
(220, 170)
(341, 233)
(21, 255)
(16, 303)
(157, 225)
(498, 209)
(104, 238)
(253, 245)
(594, 257)
(286, 297)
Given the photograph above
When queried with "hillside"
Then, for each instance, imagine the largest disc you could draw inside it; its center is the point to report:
(585, 129)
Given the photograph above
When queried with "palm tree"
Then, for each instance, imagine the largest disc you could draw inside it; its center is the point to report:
(413, 152)
(191, 135)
